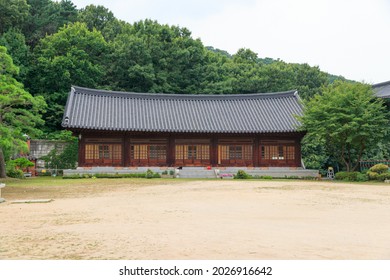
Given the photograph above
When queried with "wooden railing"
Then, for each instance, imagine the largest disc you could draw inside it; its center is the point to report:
(367, 164)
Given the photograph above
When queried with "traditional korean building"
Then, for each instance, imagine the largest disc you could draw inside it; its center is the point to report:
(382, 90)
(123, 129)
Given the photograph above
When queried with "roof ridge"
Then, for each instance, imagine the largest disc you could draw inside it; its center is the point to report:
(78, 89)
(381, 84)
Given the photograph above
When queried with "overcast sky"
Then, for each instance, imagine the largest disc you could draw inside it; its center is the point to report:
(343, 37)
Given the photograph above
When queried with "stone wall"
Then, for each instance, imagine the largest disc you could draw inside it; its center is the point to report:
(40, 148)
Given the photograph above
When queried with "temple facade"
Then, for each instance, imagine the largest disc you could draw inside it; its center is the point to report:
(122, 129)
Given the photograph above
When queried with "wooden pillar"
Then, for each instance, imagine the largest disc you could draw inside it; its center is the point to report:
(81, 159)
(214, 151)
(256, 156)
(171, 151)
(298, 153)
(126, 150)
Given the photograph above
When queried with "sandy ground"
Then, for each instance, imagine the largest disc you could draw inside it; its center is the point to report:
(211, 219)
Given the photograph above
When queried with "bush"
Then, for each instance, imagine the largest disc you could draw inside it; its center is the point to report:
(361, 177)
(379, 168)
(14, 167)
(383, 176)
(266, 177)
(15, 173)
(149, 174)
(372, 175)
(347, 176)
(241, 174)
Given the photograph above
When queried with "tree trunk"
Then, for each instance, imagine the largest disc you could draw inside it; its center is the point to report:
(2, 164)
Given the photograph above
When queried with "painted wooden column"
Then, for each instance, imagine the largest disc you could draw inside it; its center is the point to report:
(126, 150)
(256, 151)
(214, 151)
(171, 151)
(81, 160)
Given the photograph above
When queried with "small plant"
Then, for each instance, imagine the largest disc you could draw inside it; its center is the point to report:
(379, 168)
(379, 172)
(346, 176)
(241, 174)
(165, 172)
(149, 174)
(266, 177)
(384, 176)
(171, 172)
(15, 167)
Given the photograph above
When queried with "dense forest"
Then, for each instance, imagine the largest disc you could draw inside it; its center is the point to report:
(54, 45)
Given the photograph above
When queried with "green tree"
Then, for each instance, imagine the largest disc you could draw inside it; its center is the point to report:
(348, 118)
(46, 17)
(20, 112)
(13, 13)
(72, 56)
(151, 57)
(16, 46)
(101, 19)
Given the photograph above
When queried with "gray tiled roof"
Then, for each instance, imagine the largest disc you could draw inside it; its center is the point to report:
(382, 90)
(233, 113)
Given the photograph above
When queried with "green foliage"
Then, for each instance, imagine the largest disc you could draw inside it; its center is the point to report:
(348, 119)
(13, 13)
(372, 175)
(379, 172)
(384, 176)
(379, 168)
(67, 159)
(45, 17)
(15, 167)
(21, 162)
(351, 176)
(16, 46)
(314, 153)
(20, 112)
(150, 174)
(241, 174)
(13, 172)
(73, 55)
(101, 19)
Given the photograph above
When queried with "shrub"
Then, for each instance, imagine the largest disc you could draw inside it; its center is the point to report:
(14, 167)
(241, 174)
(165, 172)
(74, 176)
(21, 162)
(372, 175)
(347, 176)
(149, 174)
(171, 172)
(14, 173)
(383, 176)
(266, 177)
(361, 177)
(379, 168)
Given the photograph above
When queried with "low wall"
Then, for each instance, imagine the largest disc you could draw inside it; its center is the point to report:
(196, 172)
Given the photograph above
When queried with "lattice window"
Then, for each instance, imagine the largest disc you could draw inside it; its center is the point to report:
(103, 151)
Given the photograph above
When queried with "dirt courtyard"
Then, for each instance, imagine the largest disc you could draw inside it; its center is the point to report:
(195, 219)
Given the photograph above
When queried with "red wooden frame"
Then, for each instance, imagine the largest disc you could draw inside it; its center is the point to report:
(201, 149)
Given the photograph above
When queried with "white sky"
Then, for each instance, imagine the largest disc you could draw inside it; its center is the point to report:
(343, 37)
